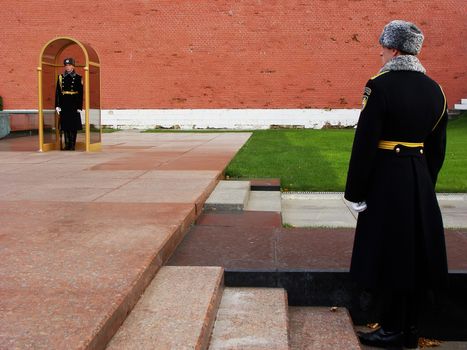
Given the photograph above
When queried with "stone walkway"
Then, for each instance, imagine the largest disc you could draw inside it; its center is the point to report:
(84, 233)
(332, 210)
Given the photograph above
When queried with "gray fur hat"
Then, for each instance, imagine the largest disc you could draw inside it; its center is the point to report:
(403, 36)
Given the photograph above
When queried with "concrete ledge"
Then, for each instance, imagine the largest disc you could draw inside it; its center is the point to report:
(246, 119)
(264, 201)
(317, 210)
(462, 107)
(229, 195)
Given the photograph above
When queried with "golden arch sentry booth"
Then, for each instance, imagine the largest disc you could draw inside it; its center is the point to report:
(50, 66)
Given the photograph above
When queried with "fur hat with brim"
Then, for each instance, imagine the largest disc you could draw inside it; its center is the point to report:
(403, 36)
(69, 61)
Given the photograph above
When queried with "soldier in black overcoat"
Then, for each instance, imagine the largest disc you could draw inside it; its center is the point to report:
(398, 150)
(69, 102)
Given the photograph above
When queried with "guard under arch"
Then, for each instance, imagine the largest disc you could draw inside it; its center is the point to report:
(50, 66)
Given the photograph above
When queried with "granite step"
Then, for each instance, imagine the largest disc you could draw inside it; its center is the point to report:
(321, 328)
(264, 201)
(251, 318)
(177, 310)
(229, 195)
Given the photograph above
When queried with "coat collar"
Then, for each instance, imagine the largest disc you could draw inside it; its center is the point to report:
(404, 62)
(72, 73)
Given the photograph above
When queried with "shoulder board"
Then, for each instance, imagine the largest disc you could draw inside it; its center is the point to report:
(378, 75)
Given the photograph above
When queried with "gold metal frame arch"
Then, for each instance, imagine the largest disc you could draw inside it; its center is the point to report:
(49, 55)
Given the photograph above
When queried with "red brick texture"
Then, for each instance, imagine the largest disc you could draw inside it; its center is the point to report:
(229, 54)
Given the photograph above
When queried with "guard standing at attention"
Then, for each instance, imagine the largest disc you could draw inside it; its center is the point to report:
(69, 102)
(398, 150)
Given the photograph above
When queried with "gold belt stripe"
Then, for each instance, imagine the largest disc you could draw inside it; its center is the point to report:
(69, 92)
(391, 144)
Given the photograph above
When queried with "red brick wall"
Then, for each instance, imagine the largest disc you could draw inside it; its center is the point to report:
(229, 54)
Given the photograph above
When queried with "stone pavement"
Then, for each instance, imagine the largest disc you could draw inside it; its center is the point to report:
(274, 231)
(332, 210)
(312, 209)
(83, 234)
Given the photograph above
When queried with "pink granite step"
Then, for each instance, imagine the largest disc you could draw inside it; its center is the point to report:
(176, 311)
(321, 328)
(251, 318)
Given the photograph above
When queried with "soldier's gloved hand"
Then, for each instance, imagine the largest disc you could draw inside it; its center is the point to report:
(358, 207)
(79, 110)
(58, 109)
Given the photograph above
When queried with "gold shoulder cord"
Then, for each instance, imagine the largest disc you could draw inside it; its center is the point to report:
(444, 108)
(377, 75)
(60, 77)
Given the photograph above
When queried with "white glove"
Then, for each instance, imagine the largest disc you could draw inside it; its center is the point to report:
(79, 110)
(58, 109)
(358, 207)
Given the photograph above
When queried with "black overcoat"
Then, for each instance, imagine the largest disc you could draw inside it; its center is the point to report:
(69, 97)
(399, 239)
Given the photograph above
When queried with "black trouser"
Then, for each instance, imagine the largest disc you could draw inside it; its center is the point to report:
(401, 310)
(70, 139)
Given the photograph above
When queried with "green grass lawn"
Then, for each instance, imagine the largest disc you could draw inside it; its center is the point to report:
(317, 160)
(109, 130)
(453, 175)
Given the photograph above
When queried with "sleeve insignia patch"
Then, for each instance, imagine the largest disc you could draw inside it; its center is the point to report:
(366, 96)
(364, 101)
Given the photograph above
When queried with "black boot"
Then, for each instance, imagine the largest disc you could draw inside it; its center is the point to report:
(382, 339)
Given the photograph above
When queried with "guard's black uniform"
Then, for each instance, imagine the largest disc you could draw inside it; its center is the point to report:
(402, 229)
(69, 97)
(398, 150)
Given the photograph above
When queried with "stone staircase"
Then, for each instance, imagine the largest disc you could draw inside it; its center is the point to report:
(189, 308)
(310, 262)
